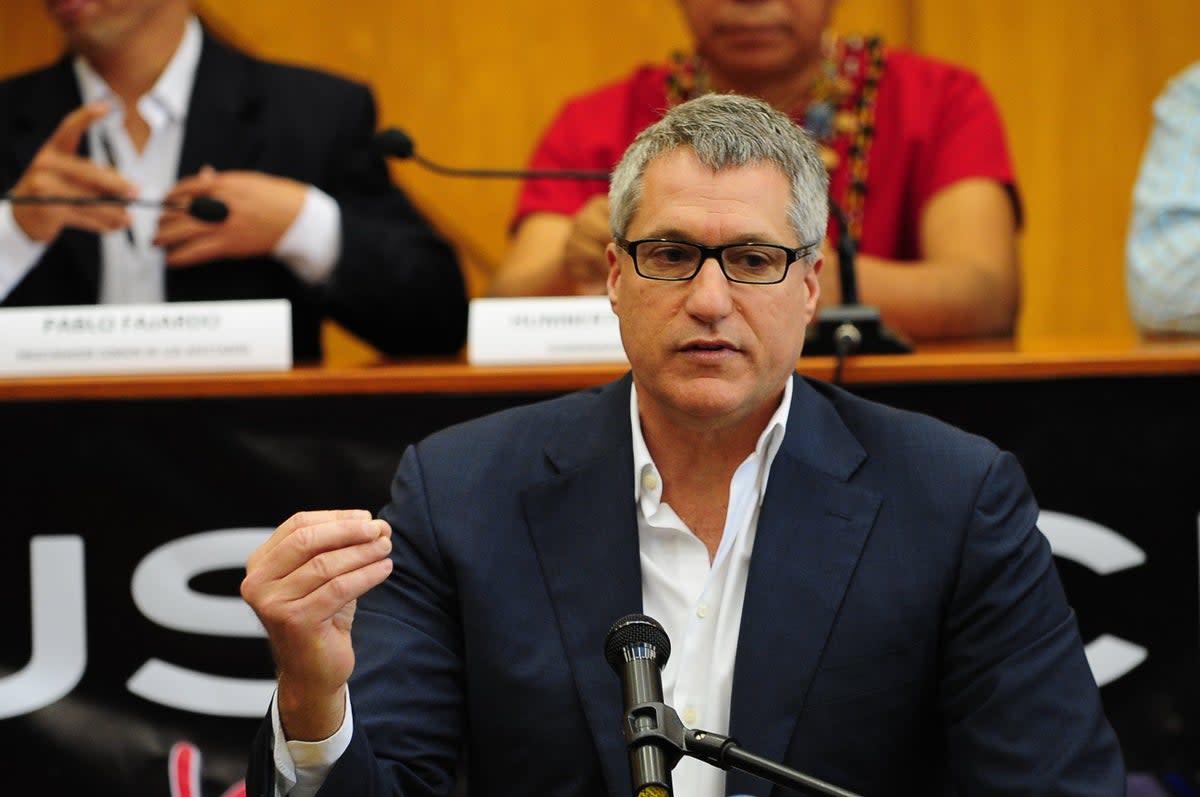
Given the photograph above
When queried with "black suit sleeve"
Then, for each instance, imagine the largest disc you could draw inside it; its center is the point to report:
(397, 283)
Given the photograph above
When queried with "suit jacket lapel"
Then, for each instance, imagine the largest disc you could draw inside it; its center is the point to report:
(588, 548)
(811, 533)
(223, 113)
(222, 130)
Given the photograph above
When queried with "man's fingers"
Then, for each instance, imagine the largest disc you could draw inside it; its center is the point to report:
(201, 248)
(330, 580)
(202, 183)
(66, 136)
(315, 594)
(81, 177)
(98, 218)
(41, 223)
(307, 534)
(175, 228)
(56, 174)
(309, 518)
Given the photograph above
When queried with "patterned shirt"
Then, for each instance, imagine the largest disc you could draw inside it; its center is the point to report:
(1163, 251)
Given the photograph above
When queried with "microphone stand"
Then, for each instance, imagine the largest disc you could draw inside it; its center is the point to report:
(204, 208)
(850, 327)
(665, 730)
(396, 143)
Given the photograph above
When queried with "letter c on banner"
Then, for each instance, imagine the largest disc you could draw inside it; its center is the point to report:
(161, 592)
(1103, 551)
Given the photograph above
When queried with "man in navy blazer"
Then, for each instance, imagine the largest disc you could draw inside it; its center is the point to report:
(857, 592)
(275, 143)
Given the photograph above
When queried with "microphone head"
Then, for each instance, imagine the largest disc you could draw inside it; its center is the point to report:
(395, 142)
(207, 208)
(635, 629)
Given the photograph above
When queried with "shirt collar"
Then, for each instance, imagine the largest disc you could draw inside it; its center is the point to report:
(171, 92)
(647, 483)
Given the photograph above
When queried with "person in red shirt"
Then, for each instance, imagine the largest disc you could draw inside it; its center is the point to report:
(915, 147)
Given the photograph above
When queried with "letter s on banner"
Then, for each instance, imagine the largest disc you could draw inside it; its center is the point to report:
(1103, 551)
(161, 592)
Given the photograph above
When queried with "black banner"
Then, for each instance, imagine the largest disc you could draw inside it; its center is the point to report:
(133, 668)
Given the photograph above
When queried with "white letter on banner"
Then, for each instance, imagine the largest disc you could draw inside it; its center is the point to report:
(59, 627)
(160, 590)
(1103, 551)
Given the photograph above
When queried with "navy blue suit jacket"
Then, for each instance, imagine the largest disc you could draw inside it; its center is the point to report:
(397, 283)
(904, 629)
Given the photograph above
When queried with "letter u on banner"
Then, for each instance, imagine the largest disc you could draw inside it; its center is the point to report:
(59, 627)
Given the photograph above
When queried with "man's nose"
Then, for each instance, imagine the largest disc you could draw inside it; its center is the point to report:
(710, 295)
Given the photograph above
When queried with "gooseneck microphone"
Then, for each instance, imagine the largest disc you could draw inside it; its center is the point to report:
(847, 252)
(850, 327)
(395, 143)
(204, 208)
(637, 647)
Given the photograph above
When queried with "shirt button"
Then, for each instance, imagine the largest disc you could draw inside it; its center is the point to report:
(649, 481)
(702, 611)
(689, 715)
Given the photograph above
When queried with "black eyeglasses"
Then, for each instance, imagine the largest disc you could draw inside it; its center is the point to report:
(676, 261)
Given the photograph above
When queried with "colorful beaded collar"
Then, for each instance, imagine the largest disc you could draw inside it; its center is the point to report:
(839, 112)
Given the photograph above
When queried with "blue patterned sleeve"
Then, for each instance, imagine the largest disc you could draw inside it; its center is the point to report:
(1163, 250)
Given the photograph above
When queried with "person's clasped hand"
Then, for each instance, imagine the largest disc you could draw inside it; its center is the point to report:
(57, 171)
(583, 254)
(261, 208)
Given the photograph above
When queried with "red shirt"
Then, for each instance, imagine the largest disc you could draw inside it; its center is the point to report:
(934, 124)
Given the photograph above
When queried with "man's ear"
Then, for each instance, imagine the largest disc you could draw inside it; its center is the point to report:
(614, 272)
(813, 283)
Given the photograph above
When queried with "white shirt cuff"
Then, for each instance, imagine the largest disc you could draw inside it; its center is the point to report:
(18, 252)
(301, 767)
(312, 245)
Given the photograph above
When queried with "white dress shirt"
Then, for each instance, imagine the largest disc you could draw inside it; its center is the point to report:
(132, 270)
(699, 606)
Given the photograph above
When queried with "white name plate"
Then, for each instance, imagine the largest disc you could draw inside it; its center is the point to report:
(172, 337)
(554, 329)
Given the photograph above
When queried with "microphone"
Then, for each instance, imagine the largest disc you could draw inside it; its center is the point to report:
(850, 327)
(204, 208)
(637, 647)
(395, 143)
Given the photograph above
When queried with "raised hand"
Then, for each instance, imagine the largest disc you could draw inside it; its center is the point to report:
(303, 583)
(56, 170)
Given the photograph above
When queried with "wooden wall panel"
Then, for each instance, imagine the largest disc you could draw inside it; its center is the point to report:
(27, 36)
(1075, 80)
(473, 82)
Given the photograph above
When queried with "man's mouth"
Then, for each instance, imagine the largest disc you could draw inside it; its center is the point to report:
(709, 345)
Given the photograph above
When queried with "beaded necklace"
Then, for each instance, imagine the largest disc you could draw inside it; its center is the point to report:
(839, 112)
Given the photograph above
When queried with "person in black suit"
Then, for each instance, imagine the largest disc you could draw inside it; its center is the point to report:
(314, 217)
